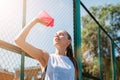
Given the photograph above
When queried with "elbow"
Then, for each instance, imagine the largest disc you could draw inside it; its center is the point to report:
(16, 41)
(19, 41)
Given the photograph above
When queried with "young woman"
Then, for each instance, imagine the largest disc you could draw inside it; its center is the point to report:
(61, 65)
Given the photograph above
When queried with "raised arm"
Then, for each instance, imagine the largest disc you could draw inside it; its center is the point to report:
(41, 55)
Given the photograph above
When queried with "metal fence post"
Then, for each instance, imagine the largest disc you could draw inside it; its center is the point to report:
(99, 52)
(113, 62)
(77, 35)
(22, 66)
(23, 54)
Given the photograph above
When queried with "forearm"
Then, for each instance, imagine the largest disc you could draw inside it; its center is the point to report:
(23, 34)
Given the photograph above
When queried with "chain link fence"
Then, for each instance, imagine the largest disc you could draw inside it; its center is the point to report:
(40, 36)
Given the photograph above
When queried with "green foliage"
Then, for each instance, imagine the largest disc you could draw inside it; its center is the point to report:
(91, 68)
(109, 18)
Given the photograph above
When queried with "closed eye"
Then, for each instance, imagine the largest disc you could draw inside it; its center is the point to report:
(58, 34)
(61, 34)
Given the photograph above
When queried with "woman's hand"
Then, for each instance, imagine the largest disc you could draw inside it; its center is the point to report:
(45, 19)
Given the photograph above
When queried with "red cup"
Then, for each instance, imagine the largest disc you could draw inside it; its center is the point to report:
(46, 19)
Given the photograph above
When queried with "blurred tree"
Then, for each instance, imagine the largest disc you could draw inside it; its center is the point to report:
(109, 18)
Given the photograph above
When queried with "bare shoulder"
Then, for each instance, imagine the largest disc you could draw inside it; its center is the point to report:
(46, 55)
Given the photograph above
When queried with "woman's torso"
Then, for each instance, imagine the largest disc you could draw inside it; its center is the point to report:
(59, 68)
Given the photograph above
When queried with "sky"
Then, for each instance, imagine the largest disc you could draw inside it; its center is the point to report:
(90, 3)
(40, 36)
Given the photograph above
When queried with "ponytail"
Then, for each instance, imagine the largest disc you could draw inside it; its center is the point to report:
(74, 61)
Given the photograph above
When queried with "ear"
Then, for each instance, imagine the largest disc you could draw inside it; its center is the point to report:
(69, 42)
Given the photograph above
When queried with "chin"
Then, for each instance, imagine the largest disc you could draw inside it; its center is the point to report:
(56, 44)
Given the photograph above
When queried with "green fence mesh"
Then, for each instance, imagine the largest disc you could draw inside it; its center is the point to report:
(106, 50)
(90, 55)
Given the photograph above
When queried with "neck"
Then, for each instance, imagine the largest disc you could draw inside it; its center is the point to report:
(60, 51)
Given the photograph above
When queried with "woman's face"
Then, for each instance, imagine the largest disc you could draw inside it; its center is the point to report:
(61, 39)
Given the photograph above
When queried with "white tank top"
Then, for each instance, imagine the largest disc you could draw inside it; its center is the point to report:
(59, 68)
